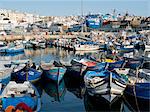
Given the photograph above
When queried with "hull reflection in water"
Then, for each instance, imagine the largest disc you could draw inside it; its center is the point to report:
(98, 103)
(75, 85)
(57, 91)
(138, 96)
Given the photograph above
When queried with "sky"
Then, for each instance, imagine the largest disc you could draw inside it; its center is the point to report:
(73, 7)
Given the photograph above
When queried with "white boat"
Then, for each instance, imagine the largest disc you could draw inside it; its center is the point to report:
(79, 52)
(86, 47)
(39, 43)
(16, 93)
(17, 62)
(147, 47)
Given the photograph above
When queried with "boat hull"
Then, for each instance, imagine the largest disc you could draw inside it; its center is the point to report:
(14, 50)
(108, 85)
(86, 47)
(29, 75)
(20, 97)
(56, 74)
(138, 96)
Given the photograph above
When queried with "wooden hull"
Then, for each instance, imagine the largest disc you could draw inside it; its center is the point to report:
(108, 85)
(138, 96)
(14, 50)
(14, 88)
(56, 74)
(29, 75)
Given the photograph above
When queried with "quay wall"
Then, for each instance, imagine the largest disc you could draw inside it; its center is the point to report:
(27, 37)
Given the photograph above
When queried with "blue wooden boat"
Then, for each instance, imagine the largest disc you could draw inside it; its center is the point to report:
(53, 72)
(5, 76)
(138, 96)
(26, 74)
(15, 49)
(16, 93)
(126, 49)
(133, 63)
(3, 49)
(57, 91)
(106, 82)
(137, 93)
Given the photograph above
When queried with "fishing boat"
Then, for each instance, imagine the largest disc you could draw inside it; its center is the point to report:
(106, 83)
(15, 93)
(2, 43)
(17, 62)
(57, 91)
(53, 72)
(25, 73)
(126, 48)
(25, 70)
(83, 61)
(5, 71)
(38, 43)
(78, 67)
(27, 44)
(5, 75)
(147, 47)
(15, 49)
(86, 46)
(93, 21)
(137, 92)
(3, 49)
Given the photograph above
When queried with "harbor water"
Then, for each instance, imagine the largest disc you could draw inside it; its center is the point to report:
(70, 95)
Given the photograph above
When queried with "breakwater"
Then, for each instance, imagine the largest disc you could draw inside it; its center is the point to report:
(28, 37)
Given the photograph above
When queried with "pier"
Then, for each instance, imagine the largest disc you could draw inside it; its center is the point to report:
(31, 36)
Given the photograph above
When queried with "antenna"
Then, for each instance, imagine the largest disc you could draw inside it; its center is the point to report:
(82, 7)
(82, 15)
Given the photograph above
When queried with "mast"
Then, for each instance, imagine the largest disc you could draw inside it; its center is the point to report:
(82, 15)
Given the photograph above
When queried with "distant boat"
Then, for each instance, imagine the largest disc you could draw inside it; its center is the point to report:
(147, 47)
(53, 72)
(93, 21)
(16, 93)
(38, 43)
(86, 46)
(3, 49)
(126, 49)
(15, 49)
(115, 24)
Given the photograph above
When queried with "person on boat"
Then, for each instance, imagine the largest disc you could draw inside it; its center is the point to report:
(33, 66)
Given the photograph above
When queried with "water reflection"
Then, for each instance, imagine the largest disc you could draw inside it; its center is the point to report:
(71, 91)
(98, 103)
(57, 91)
(75, 85)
